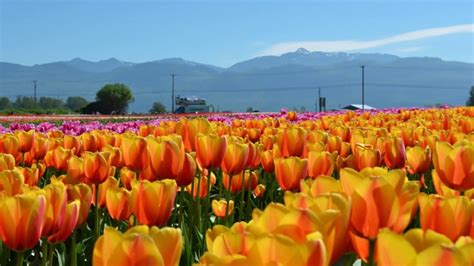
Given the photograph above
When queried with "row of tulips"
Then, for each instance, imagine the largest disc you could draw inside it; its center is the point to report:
(248, 192)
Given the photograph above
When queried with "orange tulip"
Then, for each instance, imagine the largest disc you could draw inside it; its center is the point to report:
(317, 136)
(266, 158)
(139, 246)
(83, 193)
(331, 208)
(96, 168)
(113, 155)
(361, 138)
(56, 201)
(58, 158)
(219, 208)
(117, 201)
(320, 185)
(291, 116)
(11, 183)
(21, 220)
(71, 216)
(210, 150)
(10, 144)
(134, 151)
(341, 131)
(455, 164)
(90, 142)
(420, 248)
(321, 163)
(75, 170)
(200, 185)
(72, 143)
(40, 147)
(291, 141)
(264, 249)
(449, 216)
(380, 199)
(289, 171)
(152, 202)
(235, 158)
(394, 154)
(55, 143)
(259, 191)
(7, 162)
(127, 176)
(267, 141)
(366, 157)
(418, 160)
(185, 177)
(335, 144)
(110, 183)
(253, 160)
(254, 134)
(189, 129)
(61, 216)
(239, 182)
(148, 174)
(166, 156)
(31, 174)
(26, 139)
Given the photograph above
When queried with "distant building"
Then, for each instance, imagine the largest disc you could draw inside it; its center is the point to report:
(358, 107)
(192, 105)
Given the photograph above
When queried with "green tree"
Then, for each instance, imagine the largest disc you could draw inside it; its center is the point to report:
(50, 103)
(114, 98)
(75, 103)
(249, 109)
(158, 108)
(470, 101)
(24, 102)
(5, 103)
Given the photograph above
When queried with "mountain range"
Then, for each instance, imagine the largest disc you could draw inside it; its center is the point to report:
(266, 83)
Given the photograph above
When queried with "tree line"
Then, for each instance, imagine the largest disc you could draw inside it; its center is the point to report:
(110, 99)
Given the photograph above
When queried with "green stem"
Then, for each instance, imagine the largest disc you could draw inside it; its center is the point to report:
(44, 255)
(221, 183)
(96, 214)
(19, 258)
(371, 259)
(227, 198)
(198, 202)
(50, 255)
(249, 197)
(208, 202)
(241, 205)
(270, 189)
(73, 249)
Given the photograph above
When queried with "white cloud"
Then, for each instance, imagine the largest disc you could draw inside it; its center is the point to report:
(350, 45)
(410, 49)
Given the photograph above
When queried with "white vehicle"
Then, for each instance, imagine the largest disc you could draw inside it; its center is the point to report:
(192, 105)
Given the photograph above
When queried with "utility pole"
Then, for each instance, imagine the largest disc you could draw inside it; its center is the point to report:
(319, 98)
(34, 89)
(363, 102)
(172, 93)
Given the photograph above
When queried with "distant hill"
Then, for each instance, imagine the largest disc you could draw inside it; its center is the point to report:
(266, 83)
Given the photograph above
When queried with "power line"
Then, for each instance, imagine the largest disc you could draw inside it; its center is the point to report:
(34, 88)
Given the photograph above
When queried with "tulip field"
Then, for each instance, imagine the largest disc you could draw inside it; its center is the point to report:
(388, 187)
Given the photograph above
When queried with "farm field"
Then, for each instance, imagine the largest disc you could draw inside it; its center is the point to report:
(387, 187)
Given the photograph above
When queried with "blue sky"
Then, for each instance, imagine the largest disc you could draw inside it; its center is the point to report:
(225, 32)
